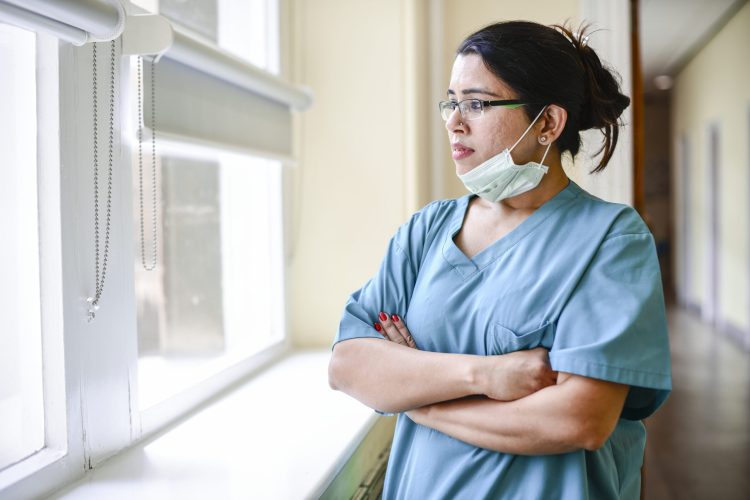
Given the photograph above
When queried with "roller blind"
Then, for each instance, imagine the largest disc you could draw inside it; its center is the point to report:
(75, 21)
(210, 97)
(205, 96)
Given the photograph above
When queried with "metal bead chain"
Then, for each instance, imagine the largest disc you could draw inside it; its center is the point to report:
(101, 271)
(152, 265)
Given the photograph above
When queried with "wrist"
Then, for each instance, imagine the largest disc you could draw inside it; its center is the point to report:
(477, 374)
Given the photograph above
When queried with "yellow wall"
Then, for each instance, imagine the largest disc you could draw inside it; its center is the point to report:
(713, 89)
(364, 146)
(347, 196)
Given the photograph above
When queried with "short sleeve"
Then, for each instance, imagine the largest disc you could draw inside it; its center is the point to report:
(390, 289)
(613, 327)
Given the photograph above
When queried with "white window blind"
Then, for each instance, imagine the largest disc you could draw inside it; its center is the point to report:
(205, 96)
(75, 21)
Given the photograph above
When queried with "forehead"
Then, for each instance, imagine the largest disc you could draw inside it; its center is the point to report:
(469, 73)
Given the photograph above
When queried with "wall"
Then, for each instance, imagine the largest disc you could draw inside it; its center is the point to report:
(348, 195)
(712, 89)
(656, 179)
(373, 148)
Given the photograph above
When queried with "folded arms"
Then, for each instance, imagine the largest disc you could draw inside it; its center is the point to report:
(513, 403)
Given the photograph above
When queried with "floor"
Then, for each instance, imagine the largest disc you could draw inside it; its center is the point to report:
(699, 442)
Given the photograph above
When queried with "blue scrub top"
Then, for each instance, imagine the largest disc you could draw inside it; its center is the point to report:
(579, 277)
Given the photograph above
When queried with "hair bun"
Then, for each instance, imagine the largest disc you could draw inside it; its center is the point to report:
(605, 101)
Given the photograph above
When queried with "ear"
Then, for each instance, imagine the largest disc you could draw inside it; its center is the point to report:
(553, 122)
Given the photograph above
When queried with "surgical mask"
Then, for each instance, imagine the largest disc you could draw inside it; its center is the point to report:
(499, 178)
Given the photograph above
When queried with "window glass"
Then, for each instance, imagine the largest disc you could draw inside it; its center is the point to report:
(21, 396)
(246, 28)
(215, 295)
(201, 16)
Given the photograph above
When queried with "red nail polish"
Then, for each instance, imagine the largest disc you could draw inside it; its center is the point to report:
(378, 327)
(383, 316)
(394, 318)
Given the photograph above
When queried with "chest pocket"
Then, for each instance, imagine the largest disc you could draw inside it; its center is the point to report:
(504, 340)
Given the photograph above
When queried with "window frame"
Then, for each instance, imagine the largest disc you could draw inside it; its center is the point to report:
(90, 368)
(62, 457)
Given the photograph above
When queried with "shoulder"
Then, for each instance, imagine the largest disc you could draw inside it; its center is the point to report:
(440, 208)
(614, 219)
(436, 213)
(424, 226)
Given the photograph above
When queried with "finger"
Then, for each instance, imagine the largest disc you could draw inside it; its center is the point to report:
(379, 328)
(401, 327)
(390, 330)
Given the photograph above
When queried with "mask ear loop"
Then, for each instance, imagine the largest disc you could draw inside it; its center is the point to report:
(528, 128)
(544, 156)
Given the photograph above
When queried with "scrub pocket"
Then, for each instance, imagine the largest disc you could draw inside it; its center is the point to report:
(504, 340)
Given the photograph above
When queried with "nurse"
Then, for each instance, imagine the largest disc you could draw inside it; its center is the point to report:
(519, 331)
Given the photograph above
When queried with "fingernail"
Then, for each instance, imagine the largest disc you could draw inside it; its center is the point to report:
(378, 327)
(394, 318)
(383, 316)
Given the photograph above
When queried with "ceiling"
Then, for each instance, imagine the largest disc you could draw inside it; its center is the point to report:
(672, 30)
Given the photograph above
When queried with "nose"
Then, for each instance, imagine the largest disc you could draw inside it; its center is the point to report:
(454, 123)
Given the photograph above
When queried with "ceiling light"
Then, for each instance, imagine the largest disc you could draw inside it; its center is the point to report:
(663, 82)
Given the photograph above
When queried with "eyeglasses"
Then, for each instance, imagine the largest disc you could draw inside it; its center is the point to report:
(471, 109)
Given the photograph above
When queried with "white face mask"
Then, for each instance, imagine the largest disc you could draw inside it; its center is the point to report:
(499, 178)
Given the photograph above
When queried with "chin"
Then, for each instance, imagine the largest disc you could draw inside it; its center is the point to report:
(462, 168)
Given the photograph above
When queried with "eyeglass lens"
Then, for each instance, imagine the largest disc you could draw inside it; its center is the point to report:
(468, 108)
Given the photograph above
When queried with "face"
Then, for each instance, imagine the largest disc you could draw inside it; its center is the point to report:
(475, 141)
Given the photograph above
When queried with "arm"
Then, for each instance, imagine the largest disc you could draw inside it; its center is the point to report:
(393, 377)
(578, 412)
(396, 378)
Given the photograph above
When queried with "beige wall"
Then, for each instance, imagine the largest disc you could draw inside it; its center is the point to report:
(347, 196)
(372, 148)
(713, 89)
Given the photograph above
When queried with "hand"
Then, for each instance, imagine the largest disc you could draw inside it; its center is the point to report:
(418, 415)
(508, 377)
(393, 328)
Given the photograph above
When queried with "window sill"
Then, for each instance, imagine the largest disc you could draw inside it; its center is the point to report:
(282, 434)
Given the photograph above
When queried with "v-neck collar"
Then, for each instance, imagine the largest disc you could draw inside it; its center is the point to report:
(466, 266)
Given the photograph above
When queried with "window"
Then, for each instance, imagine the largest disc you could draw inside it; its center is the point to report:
(74, 390)
(247, 28)
(215, 296)
(21, 394)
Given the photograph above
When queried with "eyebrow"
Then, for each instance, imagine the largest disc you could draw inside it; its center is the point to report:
(474, 91)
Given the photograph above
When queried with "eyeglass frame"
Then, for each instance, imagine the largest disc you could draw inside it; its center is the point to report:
(506, 103)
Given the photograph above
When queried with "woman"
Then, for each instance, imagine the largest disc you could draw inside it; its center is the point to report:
(536, 338)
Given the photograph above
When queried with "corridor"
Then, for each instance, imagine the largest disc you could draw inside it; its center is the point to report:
(699, 443)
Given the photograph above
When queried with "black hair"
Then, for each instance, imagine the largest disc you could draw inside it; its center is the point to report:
(553, 65)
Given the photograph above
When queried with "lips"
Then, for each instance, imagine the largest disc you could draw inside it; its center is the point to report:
(460, 151)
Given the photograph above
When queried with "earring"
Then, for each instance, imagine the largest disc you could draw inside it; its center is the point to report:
(542, 139)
